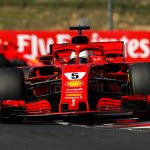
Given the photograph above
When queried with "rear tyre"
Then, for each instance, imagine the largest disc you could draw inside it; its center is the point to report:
(12, 85)
(139, 78)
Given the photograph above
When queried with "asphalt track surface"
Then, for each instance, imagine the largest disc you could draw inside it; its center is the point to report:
(65, 136)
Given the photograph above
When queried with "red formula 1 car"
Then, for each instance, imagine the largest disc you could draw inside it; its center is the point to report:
(80, 78)
(9, 57)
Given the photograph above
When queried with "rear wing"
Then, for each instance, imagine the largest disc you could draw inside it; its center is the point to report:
(112, 49)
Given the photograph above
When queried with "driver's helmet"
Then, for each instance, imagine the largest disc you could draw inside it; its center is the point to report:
(73, 55)
(83, 56)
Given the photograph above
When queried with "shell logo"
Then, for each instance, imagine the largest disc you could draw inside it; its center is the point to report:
(76, 83)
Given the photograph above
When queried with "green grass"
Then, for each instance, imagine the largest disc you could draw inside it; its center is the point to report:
(59, 14)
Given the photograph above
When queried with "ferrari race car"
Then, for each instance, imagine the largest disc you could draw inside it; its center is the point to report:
(9, 57)
(79, 77)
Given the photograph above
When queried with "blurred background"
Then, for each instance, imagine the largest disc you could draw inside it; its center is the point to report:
(59, 14)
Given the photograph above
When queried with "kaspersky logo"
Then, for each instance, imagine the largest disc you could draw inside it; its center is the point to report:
(74, 83)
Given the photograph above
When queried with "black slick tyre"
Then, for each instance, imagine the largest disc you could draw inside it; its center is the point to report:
(12, 85)
(139, 78)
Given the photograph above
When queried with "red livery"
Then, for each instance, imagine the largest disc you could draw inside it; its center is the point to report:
(78, 78)
(9, 57)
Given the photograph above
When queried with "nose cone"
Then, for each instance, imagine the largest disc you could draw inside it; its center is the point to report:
(74, 96)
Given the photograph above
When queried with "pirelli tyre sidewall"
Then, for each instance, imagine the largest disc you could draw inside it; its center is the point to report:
(139, 78)
(12, 85)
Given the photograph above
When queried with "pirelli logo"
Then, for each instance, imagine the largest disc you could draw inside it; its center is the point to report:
(74, 83)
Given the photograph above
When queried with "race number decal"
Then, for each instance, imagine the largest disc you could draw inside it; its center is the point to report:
(75, 75)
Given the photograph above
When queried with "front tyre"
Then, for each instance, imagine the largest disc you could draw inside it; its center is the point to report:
(139, 78)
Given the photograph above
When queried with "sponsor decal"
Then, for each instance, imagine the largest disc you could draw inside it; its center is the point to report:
(35, 43)
(75, 75)
(76, 83)
(73, 97)
(73, 94)
(137, 45)
(74, 89)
